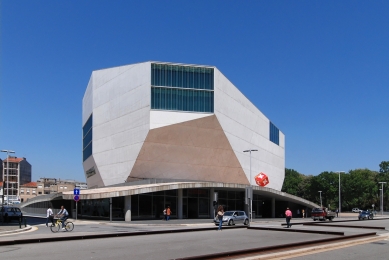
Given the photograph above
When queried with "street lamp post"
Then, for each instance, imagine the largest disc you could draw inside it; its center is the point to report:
(321, 204)
(340, 205)
(382, 197)
(251, 187)
(8, 152)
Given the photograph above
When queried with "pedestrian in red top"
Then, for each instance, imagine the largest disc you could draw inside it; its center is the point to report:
(288, 215)
(168, 212)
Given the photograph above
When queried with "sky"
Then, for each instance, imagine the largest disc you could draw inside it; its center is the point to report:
(319, 70)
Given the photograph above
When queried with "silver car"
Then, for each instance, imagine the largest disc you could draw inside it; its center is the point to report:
(233, 217)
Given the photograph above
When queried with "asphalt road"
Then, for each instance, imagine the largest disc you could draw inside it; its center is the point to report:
(163, 246)
(378, 250)
(175, 245)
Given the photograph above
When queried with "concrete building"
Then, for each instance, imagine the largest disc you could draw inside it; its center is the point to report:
(160, 134)
(28, 191)
(1, 193)
(46, 186)
(19, 172)
(162, 120)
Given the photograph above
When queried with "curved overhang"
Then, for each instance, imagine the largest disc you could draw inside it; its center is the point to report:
(121, 191)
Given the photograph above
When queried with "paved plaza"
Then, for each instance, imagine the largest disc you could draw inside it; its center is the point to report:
(177, 238)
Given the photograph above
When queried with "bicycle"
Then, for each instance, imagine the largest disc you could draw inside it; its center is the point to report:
(58, 224)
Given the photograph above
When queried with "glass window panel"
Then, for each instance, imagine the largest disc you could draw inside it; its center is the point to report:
(87, 139)
(196, 106)
(231, 195)
(202, 78)
(145, 209)
(169, 76)
(171, 193)
(196, 78)
(162, 83)
(174, 76)
(184, 78)
(169, 98)
(191, 77)
(206, 76)
(222, 194)
(212, 102)
(190, 100)
(87, 152)
(174, 99)
(152, 98)
(179, 100)
(180, 77)
(203, 207)
(87, 126)
(212, 79)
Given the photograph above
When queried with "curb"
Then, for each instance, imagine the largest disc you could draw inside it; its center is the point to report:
(16, 230)
(106, 235)
(315, 249)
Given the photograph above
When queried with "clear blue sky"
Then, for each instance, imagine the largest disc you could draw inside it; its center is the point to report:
(319, 70)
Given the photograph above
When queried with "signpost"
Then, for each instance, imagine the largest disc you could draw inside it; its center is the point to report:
(76, 198)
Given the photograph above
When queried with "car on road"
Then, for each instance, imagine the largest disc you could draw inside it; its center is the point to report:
(322, 214)
(10, 213)
(365, 214)
(356, 210)
(233, 217)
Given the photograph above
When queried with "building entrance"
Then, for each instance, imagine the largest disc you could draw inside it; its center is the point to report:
(193, 208)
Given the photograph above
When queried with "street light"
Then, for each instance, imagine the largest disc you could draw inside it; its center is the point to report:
(382, 196)
(251, 188)
(339, 191)
(321, 204)
(8, 152)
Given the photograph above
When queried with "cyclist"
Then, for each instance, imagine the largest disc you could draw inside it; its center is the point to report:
(63, 216)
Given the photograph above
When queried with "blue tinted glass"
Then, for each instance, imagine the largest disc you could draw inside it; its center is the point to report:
(179, 100)
(87, 126)
(182, 76)
(87, 139)
(87, 152)
(274, 134)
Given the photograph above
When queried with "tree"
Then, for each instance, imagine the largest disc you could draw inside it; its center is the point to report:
(291, 182)
(384, 167)
(359, 189)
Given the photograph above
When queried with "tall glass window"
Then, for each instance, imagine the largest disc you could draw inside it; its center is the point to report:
(87, 139)
(182, 88)
(274, 134)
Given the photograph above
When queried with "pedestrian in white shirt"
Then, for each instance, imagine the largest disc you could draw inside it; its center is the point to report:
(49, 216)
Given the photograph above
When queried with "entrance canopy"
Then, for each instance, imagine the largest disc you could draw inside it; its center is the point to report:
(122, 191)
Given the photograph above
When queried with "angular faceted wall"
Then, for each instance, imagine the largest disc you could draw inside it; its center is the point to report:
(175, 121)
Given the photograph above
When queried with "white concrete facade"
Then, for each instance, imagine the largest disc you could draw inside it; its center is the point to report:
(120, 100)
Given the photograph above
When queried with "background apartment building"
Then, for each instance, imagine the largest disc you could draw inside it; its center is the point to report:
(48, 186)
(17, 174)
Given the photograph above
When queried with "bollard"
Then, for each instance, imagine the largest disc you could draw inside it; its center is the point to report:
(20, 222)
(25, 221)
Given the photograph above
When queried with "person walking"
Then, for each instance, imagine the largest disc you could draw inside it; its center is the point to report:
(303, 213)
(168, 213)
(337, 212)
(220, 213)
(288, 215)
(164, 214)
(49, 216)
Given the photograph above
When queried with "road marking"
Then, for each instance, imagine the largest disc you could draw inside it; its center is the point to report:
(315, 249)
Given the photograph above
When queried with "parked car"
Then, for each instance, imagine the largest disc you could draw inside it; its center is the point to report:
(322, 214)
(233, 217)
(10, 213)
(365, 214)
(356, 210)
